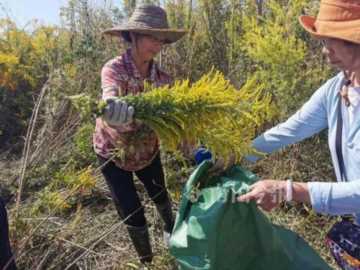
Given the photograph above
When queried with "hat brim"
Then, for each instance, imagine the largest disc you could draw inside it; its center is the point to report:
(332, 29)
(168, 35)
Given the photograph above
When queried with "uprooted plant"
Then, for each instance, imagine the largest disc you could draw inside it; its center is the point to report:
(210, 112)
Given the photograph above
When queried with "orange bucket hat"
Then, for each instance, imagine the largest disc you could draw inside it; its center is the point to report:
(336, 19)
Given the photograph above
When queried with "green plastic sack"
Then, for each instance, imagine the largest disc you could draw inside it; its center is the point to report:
(213, 231)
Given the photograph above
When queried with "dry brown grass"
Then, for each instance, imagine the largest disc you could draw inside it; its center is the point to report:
(90, 235)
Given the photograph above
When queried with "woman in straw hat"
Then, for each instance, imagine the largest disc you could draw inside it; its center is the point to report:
(146, 32)
(336, 106)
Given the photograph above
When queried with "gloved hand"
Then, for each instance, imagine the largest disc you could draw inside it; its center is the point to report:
(202, 154)
(117, 112)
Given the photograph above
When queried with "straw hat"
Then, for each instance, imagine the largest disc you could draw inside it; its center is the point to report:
(149, 20)
(336, 19)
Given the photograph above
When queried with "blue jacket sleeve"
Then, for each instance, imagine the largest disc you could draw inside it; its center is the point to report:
(335, 198)
(310, 119)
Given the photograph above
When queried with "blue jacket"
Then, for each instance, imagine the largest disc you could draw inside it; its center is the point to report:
(318, 113)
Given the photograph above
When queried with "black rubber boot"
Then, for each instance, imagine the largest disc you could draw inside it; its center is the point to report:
(165, 211)
(141, 241)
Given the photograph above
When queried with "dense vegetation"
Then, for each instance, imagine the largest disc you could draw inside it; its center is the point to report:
(62, 217)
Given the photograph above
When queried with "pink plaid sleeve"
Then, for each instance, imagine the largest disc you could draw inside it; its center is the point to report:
(111, 79)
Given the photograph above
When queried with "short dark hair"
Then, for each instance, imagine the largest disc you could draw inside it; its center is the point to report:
(126, 36)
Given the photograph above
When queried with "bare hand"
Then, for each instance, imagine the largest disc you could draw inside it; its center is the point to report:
(267, 194)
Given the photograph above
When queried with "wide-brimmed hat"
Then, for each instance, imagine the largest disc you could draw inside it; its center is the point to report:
(336, 19)
(149, 20)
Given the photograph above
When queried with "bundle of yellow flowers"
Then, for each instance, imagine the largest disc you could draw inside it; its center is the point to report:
(210, 112)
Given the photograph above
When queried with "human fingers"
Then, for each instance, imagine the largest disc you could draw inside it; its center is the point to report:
(130, 114)
(109, 109)
(250, 196)
(122, 107)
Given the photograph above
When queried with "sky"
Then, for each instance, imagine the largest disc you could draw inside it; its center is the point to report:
(45, 11)
(22, 11)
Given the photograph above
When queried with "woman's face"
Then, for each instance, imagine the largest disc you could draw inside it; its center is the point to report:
(147, 47)
(341, 54)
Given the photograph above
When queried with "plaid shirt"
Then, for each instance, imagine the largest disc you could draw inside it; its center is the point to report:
(135, 144)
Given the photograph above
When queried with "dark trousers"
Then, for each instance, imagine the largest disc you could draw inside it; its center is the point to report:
(5, 250)
(123, 190)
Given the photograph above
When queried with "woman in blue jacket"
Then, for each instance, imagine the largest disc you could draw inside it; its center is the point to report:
(336, 106)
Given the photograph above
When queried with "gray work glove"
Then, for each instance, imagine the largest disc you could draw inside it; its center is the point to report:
(117, 112)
